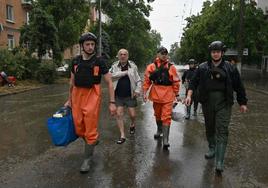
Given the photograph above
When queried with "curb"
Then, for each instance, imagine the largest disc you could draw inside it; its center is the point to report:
(19, 91)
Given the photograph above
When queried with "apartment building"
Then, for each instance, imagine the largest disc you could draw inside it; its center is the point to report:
(13, 15)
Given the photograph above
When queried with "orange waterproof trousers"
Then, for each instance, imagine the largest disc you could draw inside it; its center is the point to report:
(86, 110)
(162, 112)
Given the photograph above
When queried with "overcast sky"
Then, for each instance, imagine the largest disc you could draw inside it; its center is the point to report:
(168, 17)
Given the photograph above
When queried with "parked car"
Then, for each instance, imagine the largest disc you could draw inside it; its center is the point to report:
(63, 68)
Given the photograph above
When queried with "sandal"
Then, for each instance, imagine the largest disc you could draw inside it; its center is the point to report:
(132, 130)
(121, 140)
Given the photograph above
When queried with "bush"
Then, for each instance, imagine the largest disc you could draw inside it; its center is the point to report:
(46, 73)
(31, 67)
(18, 64)
(7, 62)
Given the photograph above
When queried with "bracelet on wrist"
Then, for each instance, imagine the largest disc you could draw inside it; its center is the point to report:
(112, 102)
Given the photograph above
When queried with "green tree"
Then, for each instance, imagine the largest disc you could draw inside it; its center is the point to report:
(220, 21)
(41, 34)
(70, 18)
(55, 25)
(173, 51)
(129, 28)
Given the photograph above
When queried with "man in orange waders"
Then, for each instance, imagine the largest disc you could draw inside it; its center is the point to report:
(164, 80)
(85, 94)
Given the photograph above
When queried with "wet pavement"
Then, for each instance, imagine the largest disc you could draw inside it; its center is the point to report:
(28, 158)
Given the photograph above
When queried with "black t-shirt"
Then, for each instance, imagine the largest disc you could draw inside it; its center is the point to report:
(123, 89)
(102, 63)
(188, 75)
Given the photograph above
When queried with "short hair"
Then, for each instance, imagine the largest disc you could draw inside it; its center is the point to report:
(121, 50)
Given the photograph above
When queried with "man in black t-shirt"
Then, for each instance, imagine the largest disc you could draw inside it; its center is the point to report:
(85, 94)
(127, 86)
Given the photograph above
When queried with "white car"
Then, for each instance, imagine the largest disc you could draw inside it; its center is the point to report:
(182, 68)
(61, 69)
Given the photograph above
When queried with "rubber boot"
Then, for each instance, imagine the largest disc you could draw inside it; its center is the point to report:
(195, 108)
(159, 132)
(220, 152)
(89, 149)
(165, 136)
(188, 112)
(211, 148)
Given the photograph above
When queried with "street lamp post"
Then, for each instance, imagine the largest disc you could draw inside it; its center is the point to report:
(241, 35)
(100, 31)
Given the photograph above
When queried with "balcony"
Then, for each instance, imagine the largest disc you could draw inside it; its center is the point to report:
(27, 4)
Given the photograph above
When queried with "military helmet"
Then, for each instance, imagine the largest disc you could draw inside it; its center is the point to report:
(162, 50)
(217, 45)
(191, 61)
(86, 37)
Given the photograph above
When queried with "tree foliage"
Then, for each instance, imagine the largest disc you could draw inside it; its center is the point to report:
(41, 33)
(55, 25)
(220, 21)
(129, 28)
(69, 16)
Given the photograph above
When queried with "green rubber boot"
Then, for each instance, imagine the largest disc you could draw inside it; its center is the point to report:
(188, 112)
(220, 152)
(165, 136)
(159, 132)
(89, 149)
(211, 148)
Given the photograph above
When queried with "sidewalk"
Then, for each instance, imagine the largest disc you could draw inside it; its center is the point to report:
(26, 85)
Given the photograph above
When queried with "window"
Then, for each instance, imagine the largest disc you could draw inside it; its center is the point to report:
(9, 12)
(27, 18)
(11, 42)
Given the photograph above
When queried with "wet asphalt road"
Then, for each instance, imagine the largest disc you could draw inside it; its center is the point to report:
(28, 158)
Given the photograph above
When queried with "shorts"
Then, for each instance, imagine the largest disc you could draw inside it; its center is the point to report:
(128, 102)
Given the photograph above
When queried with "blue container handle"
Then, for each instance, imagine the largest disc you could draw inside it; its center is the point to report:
(66, 110)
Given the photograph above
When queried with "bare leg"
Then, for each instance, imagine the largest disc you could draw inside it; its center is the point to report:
(120, 120)
(132, 115)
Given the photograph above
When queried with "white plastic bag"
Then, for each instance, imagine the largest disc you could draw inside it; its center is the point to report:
(178, 112)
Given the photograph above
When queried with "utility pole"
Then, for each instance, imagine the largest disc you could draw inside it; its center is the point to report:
(241, 35)
(100, 31)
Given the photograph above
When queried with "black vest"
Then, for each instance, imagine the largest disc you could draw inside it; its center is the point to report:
(86, 73)
(161, 75)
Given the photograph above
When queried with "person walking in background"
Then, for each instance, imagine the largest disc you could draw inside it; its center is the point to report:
(186, 79)
(163, 80)
(127, 86)
(85, 94)
(216, 80)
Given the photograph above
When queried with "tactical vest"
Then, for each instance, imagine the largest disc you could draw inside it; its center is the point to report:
(161, 75)
(217, 79)
(86, 73)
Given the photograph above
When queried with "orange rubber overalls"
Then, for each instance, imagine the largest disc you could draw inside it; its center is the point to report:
(86, 103)
(162, 96)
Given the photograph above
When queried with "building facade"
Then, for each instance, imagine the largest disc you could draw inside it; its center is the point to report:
(13, 15)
